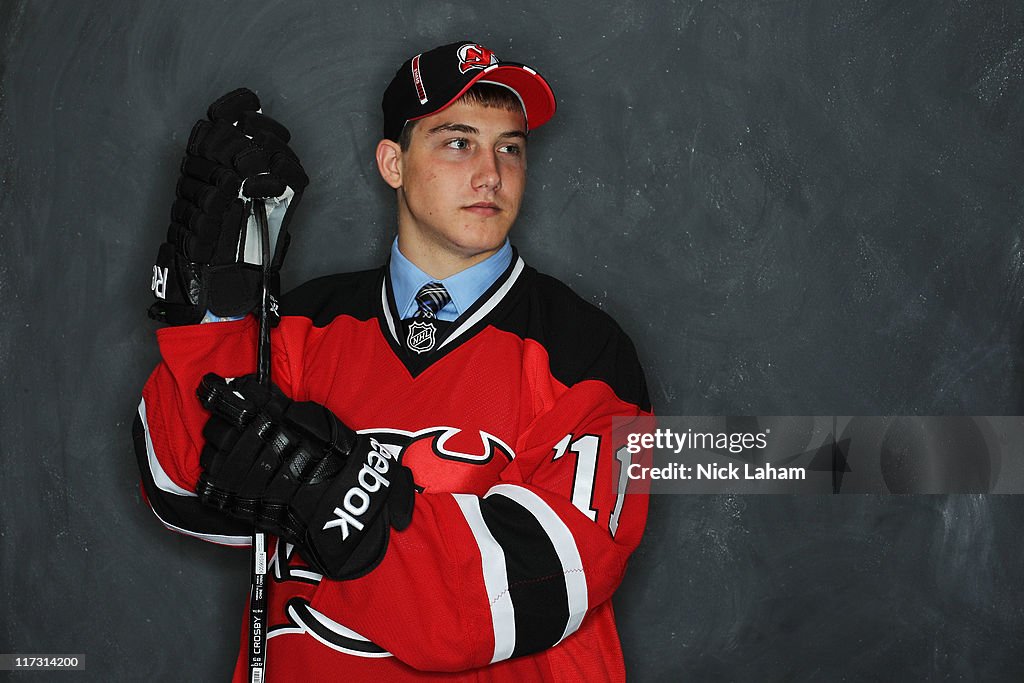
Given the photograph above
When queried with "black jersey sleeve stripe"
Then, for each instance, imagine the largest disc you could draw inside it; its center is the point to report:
(535, 580)
(181, 512)
(571, 564)
(532, 569)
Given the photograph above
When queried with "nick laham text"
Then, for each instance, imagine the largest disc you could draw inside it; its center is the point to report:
(715, 472)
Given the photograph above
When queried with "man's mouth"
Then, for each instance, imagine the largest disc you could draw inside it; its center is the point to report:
(484, 208)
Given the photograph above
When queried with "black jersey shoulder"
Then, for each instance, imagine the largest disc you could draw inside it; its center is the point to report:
(325, 298)
(582, 341)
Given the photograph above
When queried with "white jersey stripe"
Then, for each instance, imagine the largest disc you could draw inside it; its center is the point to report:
(164, 483)
(489, 306)
(160, 477)
(565, 546)
(387, 311)
(235, 541)
(328, 624)
(503, 616)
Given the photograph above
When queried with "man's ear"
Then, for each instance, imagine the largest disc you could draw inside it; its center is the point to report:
(389, 158)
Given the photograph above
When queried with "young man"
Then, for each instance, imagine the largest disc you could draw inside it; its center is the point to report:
(475, 523)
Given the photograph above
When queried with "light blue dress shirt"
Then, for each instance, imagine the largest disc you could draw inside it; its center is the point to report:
(464, 287)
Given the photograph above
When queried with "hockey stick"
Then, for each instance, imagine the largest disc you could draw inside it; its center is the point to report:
(257, 596)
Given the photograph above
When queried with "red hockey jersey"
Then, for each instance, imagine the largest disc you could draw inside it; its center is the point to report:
(523, 527)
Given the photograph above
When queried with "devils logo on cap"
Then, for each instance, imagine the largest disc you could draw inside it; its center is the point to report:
(475, 56)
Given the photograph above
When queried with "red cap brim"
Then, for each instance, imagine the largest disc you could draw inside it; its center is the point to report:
(533, 91)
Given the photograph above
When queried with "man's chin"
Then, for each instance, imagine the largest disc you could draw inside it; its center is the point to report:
(481, 243)
(478, 252)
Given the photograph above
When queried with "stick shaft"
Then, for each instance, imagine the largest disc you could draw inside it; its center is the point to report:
(263, 345)
(257, 596)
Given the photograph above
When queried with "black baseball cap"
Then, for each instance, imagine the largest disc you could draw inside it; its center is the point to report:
(430, 81)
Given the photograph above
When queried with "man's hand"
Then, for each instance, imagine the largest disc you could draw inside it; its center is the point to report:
(210, 259)
(298, 472)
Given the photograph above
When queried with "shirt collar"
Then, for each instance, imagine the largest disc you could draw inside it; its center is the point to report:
(465, 287)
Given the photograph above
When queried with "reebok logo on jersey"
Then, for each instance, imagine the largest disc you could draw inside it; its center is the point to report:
(356, 500)
(159, 284)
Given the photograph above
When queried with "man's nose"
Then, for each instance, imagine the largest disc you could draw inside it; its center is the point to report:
(486, 174)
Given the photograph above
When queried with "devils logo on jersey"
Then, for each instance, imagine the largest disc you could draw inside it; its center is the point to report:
(473, 56)
(439, 465)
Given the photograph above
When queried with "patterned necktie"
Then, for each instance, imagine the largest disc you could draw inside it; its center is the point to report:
(431, 298)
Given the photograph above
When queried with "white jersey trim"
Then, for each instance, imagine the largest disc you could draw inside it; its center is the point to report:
(330, 625)
(485, 438)
(565, 546)
(233, 541)
(489, 306)
(276, 563)
(492, 558)
(164, 483)
(160, 477)
(387, 310)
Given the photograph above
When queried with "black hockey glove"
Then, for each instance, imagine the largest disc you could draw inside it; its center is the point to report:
(211, 259)
(296, 471)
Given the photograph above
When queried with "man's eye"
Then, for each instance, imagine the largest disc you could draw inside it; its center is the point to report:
(511, 149)
(459, 143)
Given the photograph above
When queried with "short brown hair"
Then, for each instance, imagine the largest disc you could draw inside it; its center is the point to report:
(484, 94)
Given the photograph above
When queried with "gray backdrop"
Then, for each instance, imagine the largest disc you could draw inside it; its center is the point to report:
(794, 208)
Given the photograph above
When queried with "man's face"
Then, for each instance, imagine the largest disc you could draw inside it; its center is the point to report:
(461, 184)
